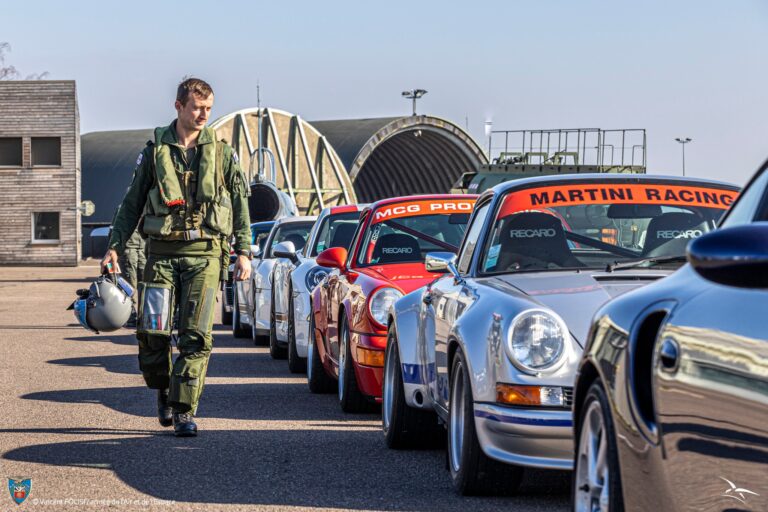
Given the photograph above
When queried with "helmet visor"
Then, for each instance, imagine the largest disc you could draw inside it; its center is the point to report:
(81, 307)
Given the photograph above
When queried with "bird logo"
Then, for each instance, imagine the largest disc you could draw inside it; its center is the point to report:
(737, 493)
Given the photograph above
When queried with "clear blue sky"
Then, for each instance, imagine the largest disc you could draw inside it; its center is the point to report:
(694, 68)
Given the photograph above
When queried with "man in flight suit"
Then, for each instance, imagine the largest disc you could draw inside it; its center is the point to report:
(192, 195)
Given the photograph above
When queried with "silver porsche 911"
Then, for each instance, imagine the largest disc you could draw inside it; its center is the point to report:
(491, 348)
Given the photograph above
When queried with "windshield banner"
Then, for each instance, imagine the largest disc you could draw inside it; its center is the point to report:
(601, 193)
(423, 207)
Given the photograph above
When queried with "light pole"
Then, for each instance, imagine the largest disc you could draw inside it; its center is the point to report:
(488, 128)
(414, 94)
(683, 141)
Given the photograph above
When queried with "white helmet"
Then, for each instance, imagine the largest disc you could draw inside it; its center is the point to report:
(105, 306)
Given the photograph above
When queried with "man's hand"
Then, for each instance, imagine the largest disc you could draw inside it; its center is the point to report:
(109, 263)
(242, 268)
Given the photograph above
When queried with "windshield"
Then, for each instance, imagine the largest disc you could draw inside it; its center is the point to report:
(260, 233)
(336, 231)
(599, 224)
(295, 232)
(406, 232)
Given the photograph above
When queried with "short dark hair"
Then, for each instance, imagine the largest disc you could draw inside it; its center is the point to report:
(194, 86)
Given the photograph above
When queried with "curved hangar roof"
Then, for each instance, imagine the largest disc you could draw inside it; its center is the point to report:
(384, 157)
(395, 156)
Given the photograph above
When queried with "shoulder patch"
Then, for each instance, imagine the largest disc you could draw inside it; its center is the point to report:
(234, 157)
(140, 158)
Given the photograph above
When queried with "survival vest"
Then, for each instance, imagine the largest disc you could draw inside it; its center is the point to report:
(184, 204)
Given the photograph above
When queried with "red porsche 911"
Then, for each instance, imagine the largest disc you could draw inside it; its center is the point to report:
(386, 260)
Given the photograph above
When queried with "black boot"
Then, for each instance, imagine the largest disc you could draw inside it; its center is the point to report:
(183, 424)
(164, 411)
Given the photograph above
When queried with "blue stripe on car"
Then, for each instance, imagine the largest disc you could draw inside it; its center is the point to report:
(415, 374)
(520, 420)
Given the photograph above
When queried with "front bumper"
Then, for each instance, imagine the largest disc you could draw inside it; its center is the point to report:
(535, 437)
(370, 379)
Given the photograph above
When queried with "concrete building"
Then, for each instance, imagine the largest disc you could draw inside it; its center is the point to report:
(39, 173)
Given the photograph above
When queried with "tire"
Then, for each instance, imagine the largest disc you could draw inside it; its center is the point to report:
(226, 317)
(595, 427)
(350, 397)
(258, 339)
(275, 350)
(404, 426)
(237, 328)
(472, 472)
(317, 380)
(296, 363)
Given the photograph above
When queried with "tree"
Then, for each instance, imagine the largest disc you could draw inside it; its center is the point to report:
(10, 72)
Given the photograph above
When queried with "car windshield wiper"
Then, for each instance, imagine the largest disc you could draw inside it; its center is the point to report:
(645, 261)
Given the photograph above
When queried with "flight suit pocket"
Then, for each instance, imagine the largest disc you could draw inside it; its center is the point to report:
(188, 387)
(218, 215)
(155, 308)
(154, 225)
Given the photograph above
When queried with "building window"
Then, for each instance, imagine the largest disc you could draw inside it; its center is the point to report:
(10, 151)
(46, 151)
(45, 227)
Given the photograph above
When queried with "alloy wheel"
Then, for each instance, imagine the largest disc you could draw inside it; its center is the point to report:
(389, 384)
(456, 439)
(342, 361)
(592, 472)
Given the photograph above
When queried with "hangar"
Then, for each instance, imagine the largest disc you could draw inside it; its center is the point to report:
(318, 163)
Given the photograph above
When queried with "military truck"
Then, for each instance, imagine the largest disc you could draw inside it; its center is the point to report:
(518, 154)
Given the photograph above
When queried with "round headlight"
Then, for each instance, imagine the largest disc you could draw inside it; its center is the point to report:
(536, 340)
(315, 276)
(380, 302)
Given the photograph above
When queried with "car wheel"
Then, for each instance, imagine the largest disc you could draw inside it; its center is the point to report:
(404, 426)
(296, 364)
(596, 478)
(350, 397)
(237, 329)
(275, 350)
(317, 379)
(226, 316)
(472, 471)
(258, 339)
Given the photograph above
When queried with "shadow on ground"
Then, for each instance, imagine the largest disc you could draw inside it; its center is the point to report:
(312, 455)
(337, 468)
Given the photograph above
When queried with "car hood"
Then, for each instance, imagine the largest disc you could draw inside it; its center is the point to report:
(576, 296)
(406, 276)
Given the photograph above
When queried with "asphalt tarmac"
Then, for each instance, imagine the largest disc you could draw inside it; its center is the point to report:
(77, 420)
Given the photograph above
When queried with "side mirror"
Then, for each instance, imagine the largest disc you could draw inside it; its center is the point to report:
(335, 257)
(442, 262)
(736, 256)
(255, 251)
(285, 250)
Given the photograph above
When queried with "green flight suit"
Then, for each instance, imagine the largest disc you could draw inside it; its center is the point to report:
(185, 252)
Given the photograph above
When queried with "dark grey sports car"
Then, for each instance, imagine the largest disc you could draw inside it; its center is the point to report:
(671, 398)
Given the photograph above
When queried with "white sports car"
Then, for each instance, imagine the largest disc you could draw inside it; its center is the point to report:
(492, 347)
(252, 299)
(296, 274)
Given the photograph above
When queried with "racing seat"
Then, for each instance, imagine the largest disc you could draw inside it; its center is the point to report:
(534, 240)
(342, 237)
(297, 240)
(669, 233)
(396, 247)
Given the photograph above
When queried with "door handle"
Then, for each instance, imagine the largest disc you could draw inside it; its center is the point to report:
(669, 355)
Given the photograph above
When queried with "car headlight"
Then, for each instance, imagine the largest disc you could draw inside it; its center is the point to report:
(380, 302)
(536, 340)
(315, 276)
